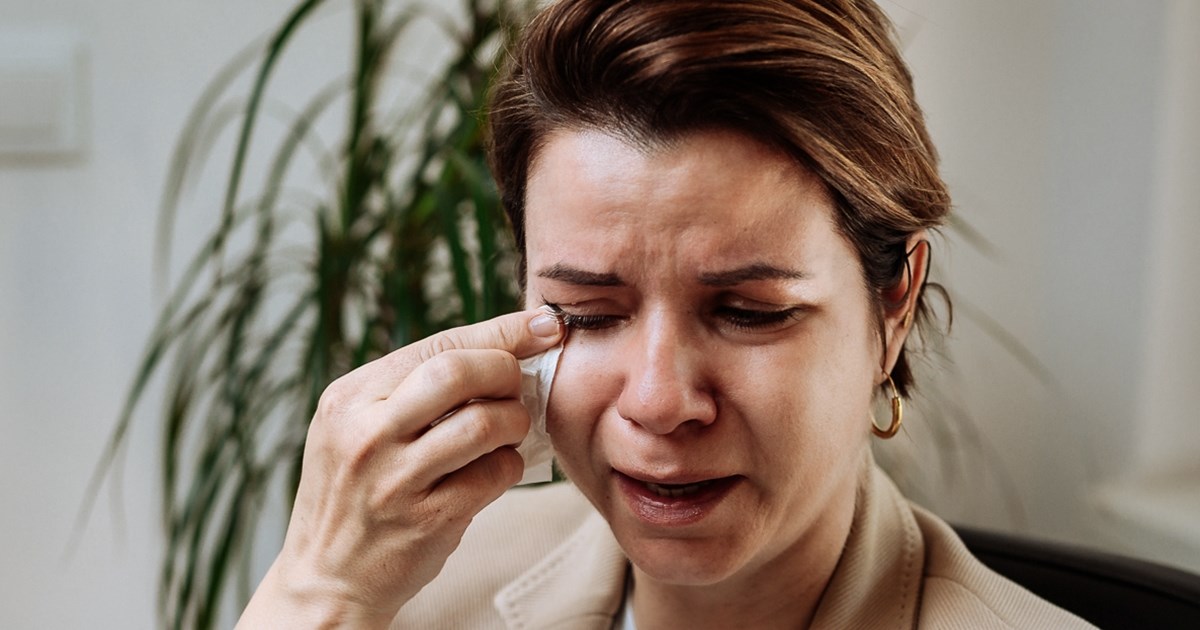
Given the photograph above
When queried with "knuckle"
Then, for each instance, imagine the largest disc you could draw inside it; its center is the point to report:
(511, 365)
(480, 426)
(503, 367)
(492, 474)
(506, 337)
(336, 398)
(508, 466)
(448, 371)
(344, 427)
(501, 334)
(438, 344)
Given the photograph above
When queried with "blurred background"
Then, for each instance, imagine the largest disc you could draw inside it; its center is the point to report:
(1065, 393)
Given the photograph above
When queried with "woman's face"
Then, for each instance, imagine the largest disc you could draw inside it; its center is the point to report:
(712, 400)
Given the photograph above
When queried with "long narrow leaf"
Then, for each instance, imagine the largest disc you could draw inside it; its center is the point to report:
(258, 324)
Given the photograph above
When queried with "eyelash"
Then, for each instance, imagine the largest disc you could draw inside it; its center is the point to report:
(580, 322)
(750, 319)
(739, 318)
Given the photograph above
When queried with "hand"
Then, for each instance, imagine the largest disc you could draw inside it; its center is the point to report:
(401, 455)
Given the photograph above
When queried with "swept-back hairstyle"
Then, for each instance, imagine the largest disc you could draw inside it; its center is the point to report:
(821, 80)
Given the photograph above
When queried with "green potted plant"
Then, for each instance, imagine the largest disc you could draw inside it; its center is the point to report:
(403, 237)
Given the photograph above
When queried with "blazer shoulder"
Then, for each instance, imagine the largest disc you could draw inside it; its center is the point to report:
(502, 542)
(554, 507)
(959, 591)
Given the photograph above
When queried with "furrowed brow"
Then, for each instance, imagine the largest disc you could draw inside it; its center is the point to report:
(749, 273)
(572, 275)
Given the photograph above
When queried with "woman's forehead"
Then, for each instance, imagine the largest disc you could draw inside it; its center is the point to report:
(713, 196)
(709, 157)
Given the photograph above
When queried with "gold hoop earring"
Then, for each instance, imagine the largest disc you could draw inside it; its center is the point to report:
(897, 413)
(908, 319)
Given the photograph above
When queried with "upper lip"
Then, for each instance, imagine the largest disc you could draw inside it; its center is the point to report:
(679, 478)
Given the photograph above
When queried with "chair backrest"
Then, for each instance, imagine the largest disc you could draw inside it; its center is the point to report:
(1108, 590)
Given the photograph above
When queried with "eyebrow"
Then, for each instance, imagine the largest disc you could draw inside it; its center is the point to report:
(732, 277)
(572, 275)
(749, 273)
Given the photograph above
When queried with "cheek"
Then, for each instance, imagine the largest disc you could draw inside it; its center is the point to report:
(812, 395)
(584, 387)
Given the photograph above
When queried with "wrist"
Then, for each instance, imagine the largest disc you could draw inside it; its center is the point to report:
(282, 601)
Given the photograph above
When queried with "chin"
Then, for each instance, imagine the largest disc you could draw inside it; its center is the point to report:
(682, 561)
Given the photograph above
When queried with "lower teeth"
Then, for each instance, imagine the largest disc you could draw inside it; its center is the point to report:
(675, 492)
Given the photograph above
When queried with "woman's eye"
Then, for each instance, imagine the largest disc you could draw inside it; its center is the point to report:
(588, 322)
(578, 321)
(751, 319)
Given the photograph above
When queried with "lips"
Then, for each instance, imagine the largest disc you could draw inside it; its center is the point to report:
(666, 504)
(676, 491)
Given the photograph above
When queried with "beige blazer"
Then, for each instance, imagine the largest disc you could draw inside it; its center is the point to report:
(544, 558)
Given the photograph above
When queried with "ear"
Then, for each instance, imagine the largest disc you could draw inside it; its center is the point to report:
(900, 301)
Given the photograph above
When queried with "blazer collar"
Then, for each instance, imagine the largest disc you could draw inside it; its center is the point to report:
(579, 585)
(877, 581)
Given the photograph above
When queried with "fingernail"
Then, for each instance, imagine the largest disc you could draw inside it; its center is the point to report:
(544, 326)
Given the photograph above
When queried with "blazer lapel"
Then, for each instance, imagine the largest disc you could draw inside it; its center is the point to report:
(577, 586)
(877, 581)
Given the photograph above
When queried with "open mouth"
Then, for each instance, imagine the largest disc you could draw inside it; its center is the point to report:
(674, 504)
(675, 491)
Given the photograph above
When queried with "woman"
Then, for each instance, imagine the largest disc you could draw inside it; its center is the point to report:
(727, 205)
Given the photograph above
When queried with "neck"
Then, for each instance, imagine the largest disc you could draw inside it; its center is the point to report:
(783, 592)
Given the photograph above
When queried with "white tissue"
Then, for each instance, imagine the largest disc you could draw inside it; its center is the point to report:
(537, 375)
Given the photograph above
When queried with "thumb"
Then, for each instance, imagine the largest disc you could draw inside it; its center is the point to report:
(523, 334)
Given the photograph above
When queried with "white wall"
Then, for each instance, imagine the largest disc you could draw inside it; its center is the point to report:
(1068, 138)
(76, 303)
(1157, 501)
(1056, 121)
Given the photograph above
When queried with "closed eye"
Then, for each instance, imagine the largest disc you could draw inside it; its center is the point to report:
(588, 322)
(746, 319)
(579, 321)
(754, 319)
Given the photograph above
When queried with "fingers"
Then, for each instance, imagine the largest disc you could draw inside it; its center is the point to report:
(520, 334)
(449, 380)
(384, 496)
(465, 436)
(484, 479)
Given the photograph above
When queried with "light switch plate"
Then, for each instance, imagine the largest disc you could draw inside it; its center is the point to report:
(42, 79)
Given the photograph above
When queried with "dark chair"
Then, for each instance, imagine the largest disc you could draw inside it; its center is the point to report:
(1108, 590)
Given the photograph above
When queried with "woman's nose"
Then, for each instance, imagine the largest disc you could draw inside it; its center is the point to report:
(665, 381)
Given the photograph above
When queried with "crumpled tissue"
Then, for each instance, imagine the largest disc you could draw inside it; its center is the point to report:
(537, 375)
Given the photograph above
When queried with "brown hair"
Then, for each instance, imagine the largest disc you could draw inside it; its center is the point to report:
(820, 79)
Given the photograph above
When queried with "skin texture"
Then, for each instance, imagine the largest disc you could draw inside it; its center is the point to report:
(384, 498)
(721, 330)
(676, 266)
